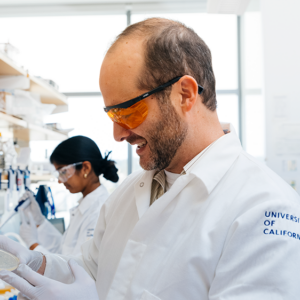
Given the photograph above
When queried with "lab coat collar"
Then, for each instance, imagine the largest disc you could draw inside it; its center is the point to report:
(143, 198)
(211, 166)
(86, 202)
(214, 163)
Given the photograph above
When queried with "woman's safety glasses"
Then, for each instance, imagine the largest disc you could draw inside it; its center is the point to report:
(66, 172)
(132, 113)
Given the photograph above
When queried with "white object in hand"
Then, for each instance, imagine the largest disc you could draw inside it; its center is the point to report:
(36, 287)
(8, 261)
(34, 208)
(28, 229)
(33, 259)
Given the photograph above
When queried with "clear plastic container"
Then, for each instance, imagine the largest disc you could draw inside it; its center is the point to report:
(8, 261)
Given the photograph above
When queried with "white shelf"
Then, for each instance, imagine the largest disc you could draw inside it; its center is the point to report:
(28, 132)
(42, 177)
(48, 94)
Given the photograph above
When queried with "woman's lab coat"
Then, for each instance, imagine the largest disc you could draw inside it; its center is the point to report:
(228, 229)
(83, 219)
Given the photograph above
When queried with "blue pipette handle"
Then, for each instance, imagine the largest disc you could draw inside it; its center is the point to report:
(19, 204)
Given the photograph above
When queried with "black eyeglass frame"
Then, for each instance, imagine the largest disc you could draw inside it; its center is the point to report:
(133, 101)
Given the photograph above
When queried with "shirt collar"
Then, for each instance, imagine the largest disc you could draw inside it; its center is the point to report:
(213, 162)
(86, 202)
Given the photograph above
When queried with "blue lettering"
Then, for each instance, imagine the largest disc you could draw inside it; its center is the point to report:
(298, 236)
(277, 233)
(274, 214)
(287, 216)
(282, 215)
(292, 218)
(267, 222)
(267, 215)
(284, 232)
(272, 223)
(294, 235)
(265, 231)
(271, 231)
(290, 234)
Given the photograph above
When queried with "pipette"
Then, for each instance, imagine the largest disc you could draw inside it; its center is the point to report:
(23, 203)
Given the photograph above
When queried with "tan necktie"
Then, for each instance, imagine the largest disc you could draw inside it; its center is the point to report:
(158, 186)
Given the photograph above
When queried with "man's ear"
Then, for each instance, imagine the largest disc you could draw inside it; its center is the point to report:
(188, 88)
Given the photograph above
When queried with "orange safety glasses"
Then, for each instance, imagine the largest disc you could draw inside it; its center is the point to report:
(132, 113)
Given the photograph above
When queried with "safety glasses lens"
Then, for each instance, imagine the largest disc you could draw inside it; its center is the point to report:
(65, 173)
(131, 117)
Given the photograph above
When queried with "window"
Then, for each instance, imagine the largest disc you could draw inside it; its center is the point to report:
(69, 50)
(254, 112)
(66, 49)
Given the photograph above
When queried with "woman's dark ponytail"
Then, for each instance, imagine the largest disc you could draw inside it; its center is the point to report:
(81, 148)
(107, 168)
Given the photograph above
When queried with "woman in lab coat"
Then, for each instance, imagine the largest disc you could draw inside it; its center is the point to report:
(78, 163)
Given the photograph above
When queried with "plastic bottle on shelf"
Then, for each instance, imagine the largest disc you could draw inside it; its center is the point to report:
(27, 178)
(2, 158)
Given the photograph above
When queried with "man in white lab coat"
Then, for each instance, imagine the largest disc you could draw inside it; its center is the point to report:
(203, 220)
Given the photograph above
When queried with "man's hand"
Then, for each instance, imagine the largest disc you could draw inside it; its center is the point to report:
(34, 208)
(37, 287)
(33, 259)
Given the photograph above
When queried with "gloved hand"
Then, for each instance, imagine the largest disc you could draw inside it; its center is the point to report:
(33, 259)
(37, 287)
(28, 230)
(34, 208)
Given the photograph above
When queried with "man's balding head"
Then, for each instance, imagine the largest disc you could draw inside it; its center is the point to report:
(179, 122)
(170, 49)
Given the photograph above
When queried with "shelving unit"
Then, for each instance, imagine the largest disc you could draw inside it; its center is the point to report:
(28, 132)
(41, 177)
(48, 94)
(20, 129)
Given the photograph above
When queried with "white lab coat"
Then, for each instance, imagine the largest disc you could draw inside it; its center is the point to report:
(211, 236)
(83, 219)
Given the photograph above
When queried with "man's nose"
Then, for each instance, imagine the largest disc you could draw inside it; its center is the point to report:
(120, 133)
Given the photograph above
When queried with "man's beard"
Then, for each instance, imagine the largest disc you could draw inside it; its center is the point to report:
(165, 137)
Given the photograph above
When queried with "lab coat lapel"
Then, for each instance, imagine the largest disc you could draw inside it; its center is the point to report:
(144, 231)
(159, 212)
(142, 192)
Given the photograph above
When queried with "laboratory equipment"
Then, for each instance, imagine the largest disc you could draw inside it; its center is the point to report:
(10, 189)
(59, 224)
(26, 178)
(8, 216)
(2, 157)
(6, 290)
(8, 261)
(45, 200)
(20, 182)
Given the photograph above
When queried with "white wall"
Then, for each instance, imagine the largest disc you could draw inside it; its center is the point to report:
(281, 43)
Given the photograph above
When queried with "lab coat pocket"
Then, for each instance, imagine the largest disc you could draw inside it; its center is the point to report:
(148, 296)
